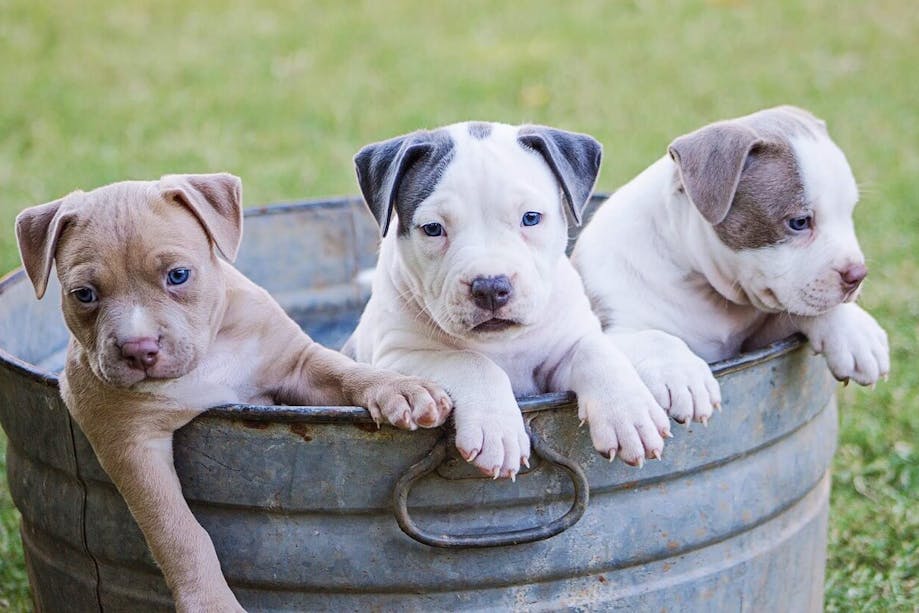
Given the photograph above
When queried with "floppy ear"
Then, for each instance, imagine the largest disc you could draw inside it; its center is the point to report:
(216, 200)
(573, 158)
(37, 231)
(710, 162)
(380, 168)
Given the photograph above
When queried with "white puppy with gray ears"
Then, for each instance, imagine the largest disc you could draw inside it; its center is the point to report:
(740, 237)
(473, 289)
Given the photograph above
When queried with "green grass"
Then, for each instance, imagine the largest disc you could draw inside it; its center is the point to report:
(285, 93)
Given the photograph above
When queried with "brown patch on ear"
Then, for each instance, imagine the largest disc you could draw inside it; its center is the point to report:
(710, 161)
(769, 192)
(38, 230)
(216, 200)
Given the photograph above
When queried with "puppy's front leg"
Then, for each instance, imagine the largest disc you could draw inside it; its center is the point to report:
(854, 345)
(680, 381)
(622, 414)
(140, 463)
(317, 375)
(489, 426)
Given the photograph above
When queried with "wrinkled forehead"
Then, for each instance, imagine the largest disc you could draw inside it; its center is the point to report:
(477, 163)
(119, 222)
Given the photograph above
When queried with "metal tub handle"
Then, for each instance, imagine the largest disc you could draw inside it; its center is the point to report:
(490, 539)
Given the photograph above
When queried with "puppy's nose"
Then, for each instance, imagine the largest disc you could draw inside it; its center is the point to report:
(140, 353)
(491, 293)
(853, 275)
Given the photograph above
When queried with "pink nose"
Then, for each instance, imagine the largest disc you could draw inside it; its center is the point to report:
(853, 275)
(140, 353)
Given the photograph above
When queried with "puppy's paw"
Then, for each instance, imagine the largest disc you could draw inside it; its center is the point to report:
(408, 403)
(680, 381)
(495, 442)
(683, 385)
(627, 422)
(854, 344)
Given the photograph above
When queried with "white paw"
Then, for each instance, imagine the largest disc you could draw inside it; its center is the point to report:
(626, 422)
(493, 439)
(408, 402)
(854, 345)
(682, 385)
(680, 381)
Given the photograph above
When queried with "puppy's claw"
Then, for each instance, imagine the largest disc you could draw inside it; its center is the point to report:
(704, 421)
(525, 461)
(656, 454)
(667, 434)
(885, 377)
(872, 386)
(513, 476)
(495, 474)
(583, 421)
(470, 456)
(717, 406)
(845, 382)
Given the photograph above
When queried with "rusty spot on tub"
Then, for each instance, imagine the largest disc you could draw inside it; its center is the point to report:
(666, 566)
(302, 430)
(671, 545)
(367, 427)
(601, 579)
(257, 425)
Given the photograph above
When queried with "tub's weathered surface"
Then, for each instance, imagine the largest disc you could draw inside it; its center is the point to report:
(298, 501)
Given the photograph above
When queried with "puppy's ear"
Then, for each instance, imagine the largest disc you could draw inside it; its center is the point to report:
(216, 200)
(573, 158)
(380, 168)
(37, 231)
(710, 162)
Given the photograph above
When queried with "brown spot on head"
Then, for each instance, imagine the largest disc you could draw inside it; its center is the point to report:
(769, 192)
(742, 174)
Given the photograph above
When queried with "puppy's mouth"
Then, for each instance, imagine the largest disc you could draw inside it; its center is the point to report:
(495, 324)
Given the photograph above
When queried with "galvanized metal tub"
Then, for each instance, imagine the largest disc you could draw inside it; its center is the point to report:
(300, 500)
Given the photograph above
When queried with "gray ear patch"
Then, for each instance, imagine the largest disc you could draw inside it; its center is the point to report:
(400, 173)
(573, 158)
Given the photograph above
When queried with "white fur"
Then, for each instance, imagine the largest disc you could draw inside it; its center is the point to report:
(420, 317)
(673, 295)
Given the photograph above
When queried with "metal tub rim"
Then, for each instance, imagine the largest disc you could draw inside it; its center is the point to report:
(350, 414)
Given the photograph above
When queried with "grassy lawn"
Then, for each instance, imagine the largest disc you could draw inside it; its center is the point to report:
(285, 93)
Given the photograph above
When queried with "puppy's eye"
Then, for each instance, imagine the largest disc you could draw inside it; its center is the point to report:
(799, 224)
(433, 229)
(177, 276)
(531, 218)
(86, 295)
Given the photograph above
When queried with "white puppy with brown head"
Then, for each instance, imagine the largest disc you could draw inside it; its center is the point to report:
(741, 236)
(473, 288)
(163, 328)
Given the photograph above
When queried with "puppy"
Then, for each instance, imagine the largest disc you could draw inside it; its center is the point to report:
(739, 237)
(473, 289)
(162, 328)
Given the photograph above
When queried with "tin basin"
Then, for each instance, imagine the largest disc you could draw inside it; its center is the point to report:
(314, 508)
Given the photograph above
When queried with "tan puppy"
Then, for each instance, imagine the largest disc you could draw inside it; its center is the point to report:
(162, 328)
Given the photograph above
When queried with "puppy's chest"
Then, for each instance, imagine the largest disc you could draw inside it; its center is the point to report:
(525, 369)
(226, 375)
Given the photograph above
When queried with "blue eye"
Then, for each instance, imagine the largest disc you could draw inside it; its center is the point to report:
(177, 276)
(433, 229)
(799, 224)
(531, 218)
(84, 294)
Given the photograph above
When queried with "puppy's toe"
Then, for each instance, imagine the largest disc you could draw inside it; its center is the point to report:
(426, 411)
(702, 404)
(469, 441)
(681, 404)
(397, 411)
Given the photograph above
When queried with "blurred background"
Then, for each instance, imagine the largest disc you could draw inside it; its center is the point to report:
(284, 93)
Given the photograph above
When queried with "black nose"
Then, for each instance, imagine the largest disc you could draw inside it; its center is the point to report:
(491, 293)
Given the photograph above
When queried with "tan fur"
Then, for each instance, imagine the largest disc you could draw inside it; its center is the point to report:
(222, 339)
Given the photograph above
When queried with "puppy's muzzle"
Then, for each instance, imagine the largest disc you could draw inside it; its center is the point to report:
(491, 293)
(140, 353)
